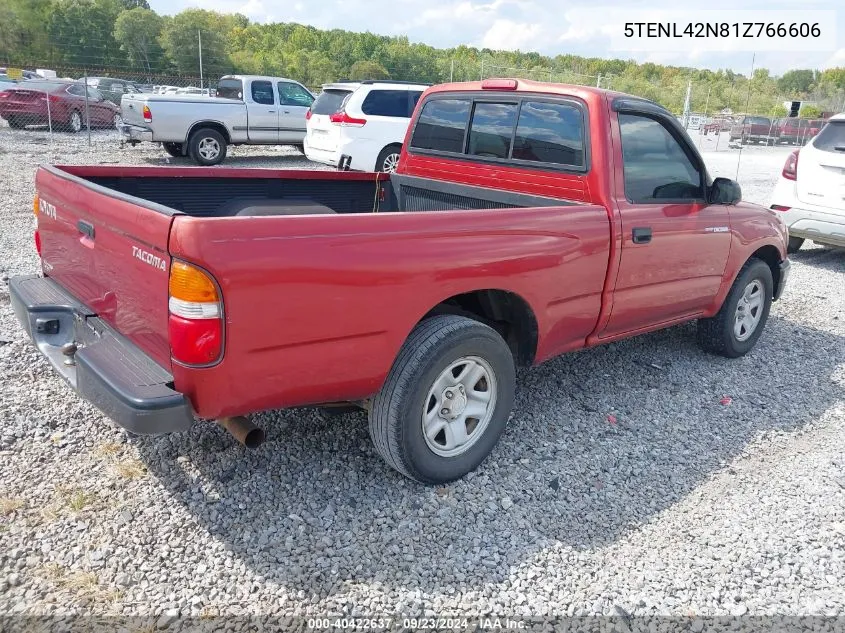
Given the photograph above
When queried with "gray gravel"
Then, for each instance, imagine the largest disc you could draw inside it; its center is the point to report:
(678, 504)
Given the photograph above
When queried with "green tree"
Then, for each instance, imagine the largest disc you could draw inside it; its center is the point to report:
(180, 41)
(138, 31)
(797, 82)
(810, 111)
(82, 32)
(368, 70)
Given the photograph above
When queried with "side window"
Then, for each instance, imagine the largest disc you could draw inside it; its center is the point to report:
(386, 103)
(491, 129)
(550, 133)
(441, 125)
(656, 166)
(94, 94)
(293, 95)
(116, 87)
(415, 97)
(76, 91)
(262, 92)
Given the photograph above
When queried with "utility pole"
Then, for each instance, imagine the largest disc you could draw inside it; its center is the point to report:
(199, 40)
(482, 70)
(452, 71)
(598, 81)
(686, 104)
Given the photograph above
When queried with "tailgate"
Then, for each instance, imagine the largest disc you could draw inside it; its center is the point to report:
(131, 109)
(109, 252)
(821, 169)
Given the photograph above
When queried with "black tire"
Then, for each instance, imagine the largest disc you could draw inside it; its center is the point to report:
(396, 416)
(795, 244)
(300, 148)
(16, 123)
(75, 122)
(717, 334)
(174, 149)
(207, 135)
(391, 151)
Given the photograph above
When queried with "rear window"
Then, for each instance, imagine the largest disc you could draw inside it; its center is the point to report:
(758, 120)
(230, 89)
(386, 103)
(550, 133)
(329, 101)
(441, 125)
(491, 129)
(831, 138)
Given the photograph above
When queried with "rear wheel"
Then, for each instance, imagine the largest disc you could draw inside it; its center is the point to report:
(734, 330)
(174, 149)
(446, 400)
(388, 159)
(74, 122)
(795, 243)
(207, 147)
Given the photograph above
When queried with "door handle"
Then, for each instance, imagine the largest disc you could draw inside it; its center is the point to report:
(287, 111)
(271, 112)
(86, 228)
(641, 235)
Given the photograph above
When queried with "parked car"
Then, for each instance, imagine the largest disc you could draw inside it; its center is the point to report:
(503, 238)
(361, 125)
(247, 110)
(112, 89)
(809, 192)
(58, 102)
(791, 130)
(711, 127)
(754, 129)
(815, 126)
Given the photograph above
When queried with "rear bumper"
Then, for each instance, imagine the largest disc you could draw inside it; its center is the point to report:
(107, 369)
(134, 133)
(820, 224)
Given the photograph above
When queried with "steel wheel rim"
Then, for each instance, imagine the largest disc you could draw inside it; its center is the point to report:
(459, 406)
(390, 163)
(208, 148)
(75, 121)
(749, 310)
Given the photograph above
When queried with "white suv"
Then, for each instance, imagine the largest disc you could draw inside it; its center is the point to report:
(811, 190)
(361, 125)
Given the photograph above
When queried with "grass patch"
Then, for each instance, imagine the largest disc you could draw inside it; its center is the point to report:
(82, 584)
(108, 449)
(10, 505)
(128, 468)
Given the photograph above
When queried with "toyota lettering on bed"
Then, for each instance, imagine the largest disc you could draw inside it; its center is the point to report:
(148, 258)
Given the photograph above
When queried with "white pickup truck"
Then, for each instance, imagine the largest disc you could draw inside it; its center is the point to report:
(247, 110)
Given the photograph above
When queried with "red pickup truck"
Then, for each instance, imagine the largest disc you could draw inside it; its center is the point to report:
(525, 220)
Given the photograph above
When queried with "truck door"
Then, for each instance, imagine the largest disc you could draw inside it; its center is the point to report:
(262, 112)
(674, 244)
(294, 101)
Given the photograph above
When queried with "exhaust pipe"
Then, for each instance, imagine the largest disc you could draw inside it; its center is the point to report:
(243, 430)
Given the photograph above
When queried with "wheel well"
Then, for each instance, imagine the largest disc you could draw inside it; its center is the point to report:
(507, 313)
(212, 125)
(771, 256)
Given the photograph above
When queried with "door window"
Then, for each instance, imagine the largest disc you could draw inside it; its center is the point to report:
(656, 166)
(441, 125)
(262, 92)
(291, 94)
(386, 103)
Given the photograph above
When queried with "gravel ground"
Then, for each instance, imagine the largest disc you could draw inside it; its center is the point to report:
(683, 503)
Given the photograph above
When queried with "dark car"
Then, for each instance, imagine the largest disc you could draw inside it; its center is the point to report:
(56, 102)
(758, 129)
(113, 89)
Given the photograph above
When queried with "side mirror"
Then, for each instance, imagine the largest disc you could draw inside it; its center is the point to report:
(724, 191)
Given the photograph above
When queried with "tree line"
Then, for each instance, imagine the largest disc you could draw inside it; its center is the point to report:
(126, 38)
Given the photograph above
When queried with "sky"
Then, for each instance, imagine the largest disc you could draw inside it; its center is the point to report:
(551, 27)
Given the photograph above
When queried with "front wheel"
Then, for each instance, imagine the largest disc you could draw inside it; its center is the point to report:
(207, 147)
(446, 400)
(74, 123)
(734, 330)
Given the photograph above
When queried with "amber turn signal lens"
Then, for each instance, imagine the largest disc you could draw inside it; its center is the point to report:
(189, 283)
(35, 202)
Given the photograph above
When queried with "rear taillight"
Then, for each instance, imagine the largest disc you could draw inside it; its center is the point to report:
(36, 207)
(344, 120)
(148, 115)
(195, 323)
(779, 207)
(790, 167)
(308, 114)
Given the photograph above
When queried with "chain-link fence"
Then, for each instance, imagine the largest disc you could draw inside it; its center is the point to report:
(81, 106)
